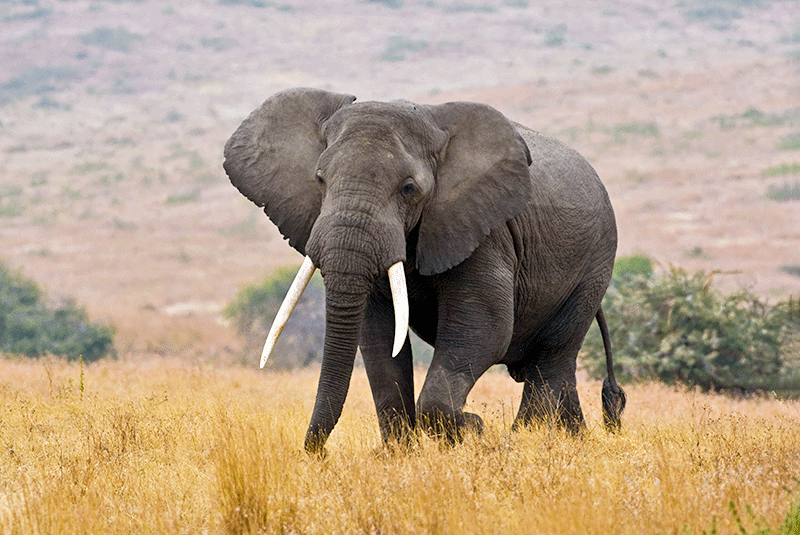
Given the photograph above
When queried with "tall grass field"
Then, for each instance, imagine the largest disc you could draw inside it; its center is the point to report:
(165, 446)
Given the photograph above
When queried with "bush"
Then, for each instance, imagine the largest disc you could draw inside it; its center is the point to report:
(37, 81)
(785, 192)
(254, 308)
(119, 39)
(30, 326)
(676, 328)
(301, 342)
(628, 267)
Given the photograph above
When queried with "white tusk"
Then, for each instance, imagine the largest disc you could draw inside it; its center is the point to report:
(397, 282)
(299, 284)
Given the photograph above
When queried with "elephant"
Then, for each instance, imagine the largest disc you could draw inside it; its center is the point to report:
(492, 242)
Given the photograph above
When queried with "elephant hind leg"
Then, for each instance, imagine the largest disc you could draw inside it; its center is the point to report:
(551, 399)
(550, 393)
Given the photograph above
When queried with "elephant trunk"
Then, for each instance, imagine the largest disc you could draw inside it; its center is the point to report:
(352, 250)
(344, 314)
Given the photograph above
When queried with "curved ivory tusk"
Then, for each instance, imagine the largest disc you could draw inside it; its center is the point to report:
(397, 282)
(299, 284)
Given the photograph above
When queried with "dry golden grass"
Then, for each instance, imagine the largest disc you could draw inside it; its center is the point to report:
(162, 446)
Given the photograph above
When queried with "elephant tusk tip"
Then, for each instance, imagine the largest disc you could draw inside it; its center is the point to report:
(398, 345)
(270, 343)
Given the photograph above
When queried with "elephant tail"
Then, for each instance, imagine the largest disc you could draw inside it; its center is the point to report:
(612, 394)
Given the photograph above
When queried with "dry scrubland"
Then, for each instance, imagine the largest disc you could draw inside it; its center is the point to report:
(165, 447)
(113, 116)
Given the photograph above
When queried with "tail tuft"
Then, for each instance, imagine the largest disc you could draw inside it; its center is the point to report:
(613, 404)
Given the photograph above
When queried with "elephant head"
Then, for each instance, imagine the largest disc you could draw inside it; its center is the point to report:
(363, 189)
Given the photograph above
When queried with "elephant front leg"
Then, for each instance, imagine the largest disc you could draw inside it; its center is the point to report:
(391, 379)
(441, 403)
(475, 325)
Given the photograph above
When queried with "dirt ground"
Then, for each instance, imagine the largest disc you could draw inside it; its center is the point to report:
(113, 116)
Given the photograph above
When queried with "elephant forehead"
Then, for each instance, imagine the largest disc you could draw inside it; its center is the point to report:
(369, 143)
(364, 158)
(384, 121)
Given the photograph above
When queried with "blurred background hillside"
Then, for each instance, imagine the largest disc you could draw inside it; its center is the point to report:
(113, 116)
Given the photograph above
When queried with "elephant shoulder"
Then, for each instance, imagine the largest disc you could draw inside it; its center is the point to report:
(559, 171)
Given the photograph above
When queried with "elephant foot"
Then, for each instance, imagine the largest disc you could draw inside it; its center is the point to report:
(401, 443)
(473, 423)
(397, 430)
(450, 428)
(551, 405)
(570, 426)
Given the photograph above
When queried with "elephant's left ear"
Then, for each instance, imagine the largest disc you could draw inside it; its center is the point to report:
(482, 181)
(272, 157)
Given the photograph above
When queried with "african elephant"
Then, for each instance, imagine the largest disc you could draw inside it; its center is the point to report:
(495, 244)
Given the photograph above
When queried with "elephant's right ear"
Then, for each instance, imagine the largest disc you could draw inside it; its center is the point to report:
(272, 158)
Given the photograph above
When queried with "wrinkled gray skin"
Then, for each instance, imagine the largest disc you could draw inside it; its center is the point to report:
(507, 238)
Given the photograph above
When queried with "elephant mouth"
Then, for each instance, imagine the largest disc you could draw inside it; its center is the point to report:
(397, 283)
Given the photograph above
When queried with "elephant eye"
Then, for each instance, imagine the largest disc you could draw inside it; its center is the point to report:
(320, 180)
(409, 188)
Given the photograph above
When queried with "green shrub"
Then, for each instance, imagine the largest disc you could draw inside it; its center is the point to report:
(254, 308)
(628, 267)
(35, 13)
(782, 169)
(785, 192)
(643, 129)
(394, 4)
(791, 269)
(753, 117)
(468, 7)
(184, 198)
(219, 44)
(37, 81)
(256, 3)
(30, 326)
(11, 208)
(554, 38)
(603, 70)
(790, 142)
(713, 13)
(676, 328)
(119, 39)
(398, 46)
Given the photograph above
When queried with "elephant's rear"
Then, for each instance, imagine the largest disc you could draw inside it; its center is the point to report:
(567, 237)
(565, 245)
